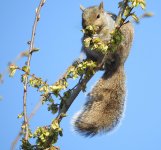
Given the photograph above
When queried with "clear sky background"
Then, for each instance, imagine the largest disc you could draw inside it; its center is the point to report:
(58, 37)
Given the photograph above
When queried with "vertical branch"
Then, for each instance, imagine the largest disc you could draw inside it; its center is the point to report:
(37, 106)
(37, 18)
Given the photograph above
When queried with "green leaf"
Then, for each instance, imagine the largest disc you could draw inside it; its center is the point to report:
(143, 4)
(63, 115)
(53, 108)
(35, 82)
(120, 4)
(127, 11)
(44, 89)
(35, 50)
(12, 70)
(26, 69)
(55, 124)
(55, 88)
(20, 115)
(134, 16)
(87, 41)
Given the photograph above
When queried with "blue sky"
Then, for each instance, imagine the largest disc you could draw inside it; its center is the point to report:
(58, 37)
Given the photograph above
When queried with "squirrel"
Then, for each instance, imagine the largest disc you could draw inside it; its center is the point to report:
(105, 103)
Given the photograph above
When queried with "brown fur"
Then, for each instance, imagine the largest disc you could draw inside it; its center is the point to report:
(105, 103)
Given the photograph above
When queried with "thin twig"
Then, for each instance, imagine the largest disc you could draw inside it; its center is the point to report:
(16, 140)
(36, 108)
(37, 17)
(121, 12)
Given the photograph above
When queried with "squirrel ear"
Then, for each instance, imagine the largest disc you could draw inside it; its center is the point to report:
(82, 7)
(101, 7)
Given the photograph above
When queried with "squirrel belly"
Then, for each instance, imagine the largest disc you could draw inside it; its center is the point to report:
(104, 106)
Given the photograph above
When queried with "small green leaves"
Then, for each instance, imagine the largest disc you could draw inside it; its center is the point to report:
(120, 4)
(63, 115)
(90, 30)
(26, 145)
(20, 115)
(55, 125)
(12, 70)
(26, 69)
(34, 50)
(134, 16)
(81, 68)
(117, 38)
(35, 82)
(87, 42)
(44, 88)
(95, 44)
(55, 89)
(47, 135)
(127, 11)
(92, 42)
(142, 3)
(41, 134)
(53, 108)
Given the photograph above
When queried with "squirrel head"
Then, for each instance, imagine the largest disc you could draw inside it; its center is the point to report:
(94, 15)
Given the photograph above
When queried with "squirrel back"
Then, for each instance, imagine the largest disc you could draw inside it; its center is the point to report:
(105, 103)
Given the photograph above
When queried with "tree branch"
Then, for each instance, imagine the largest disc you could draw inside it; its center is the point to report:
(37, 17)
(121, 12)
(74, 94)
(35, 109)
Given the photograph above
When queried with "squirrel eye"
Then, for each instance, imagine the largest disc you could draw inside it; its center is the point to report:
(98, 16)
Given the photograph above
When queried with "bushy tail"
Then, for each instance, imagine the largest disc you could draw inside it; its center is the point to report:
(104, 106)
